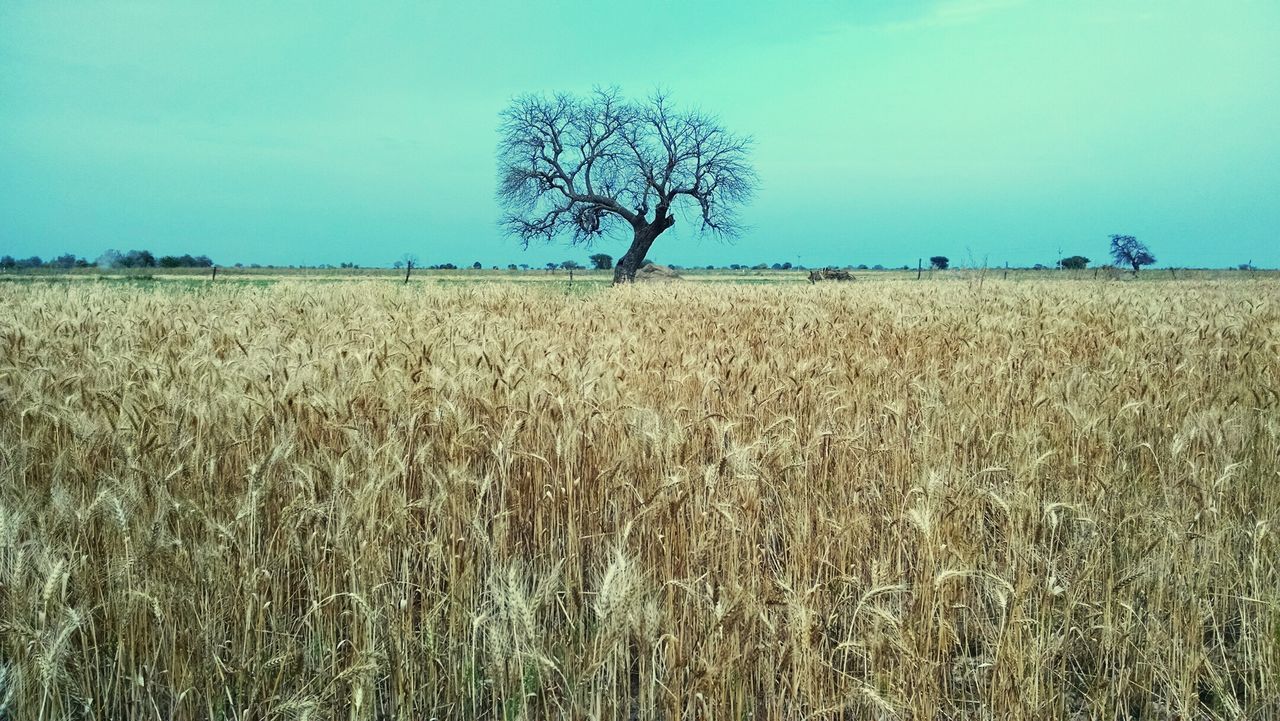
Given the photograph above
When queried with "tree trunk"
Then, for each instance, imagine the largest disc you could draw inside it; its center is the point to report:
(645, 234)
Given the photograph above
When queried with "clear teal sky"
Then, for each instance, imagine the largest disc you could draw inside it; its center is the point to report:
(1004, 130)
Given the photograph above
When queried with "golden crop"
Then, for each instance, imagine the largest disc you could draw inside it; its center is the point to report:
(889, 500)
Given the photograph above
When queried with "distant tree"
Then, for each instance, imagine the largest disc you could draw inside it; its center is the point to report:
(66, 261)
(138, 259)
(524, 266)
(1075, 262)
(511, 266)
(939, 262)
(184, 261)
(601, 261)
(735, 266)
(711, 267)
(786, 266)
(476, 265)
(1242, 266)
(552, 265)
(776, 266)
(877, 266)
(397, 265)
(571, 265)
(108, 259)
(1128, 250)
(760, 266)
(589, 166)
(646, 263)
(861, 266)
(32, 262)
(409, 261)
(8, 263)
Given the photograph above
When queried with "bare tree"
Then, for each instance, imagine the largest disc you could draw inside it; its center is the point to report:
(1128, 250)
(409, 260)
(590, 166)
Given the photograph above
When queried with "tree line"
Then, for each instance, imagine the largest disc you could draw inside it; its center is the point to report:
(109, 259)
(1126, 252)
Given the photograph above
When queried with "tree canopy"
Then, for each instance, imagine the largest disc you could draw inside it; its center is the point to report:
(1128, 250)
(583, 167)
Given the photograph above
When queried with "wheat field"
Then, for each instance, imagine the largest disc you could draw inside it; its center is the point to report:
(893, 500)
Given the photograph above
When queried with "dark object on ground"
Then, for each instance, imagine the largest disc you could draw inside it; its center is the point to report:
(654, 273)
(829, 274)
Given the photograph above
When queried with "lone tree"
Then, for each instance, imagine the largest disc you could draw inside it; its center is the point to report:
(939, 262)
(602, 261)
(408, 261)
(591, 166)
(1074, 262)
(1127, 250)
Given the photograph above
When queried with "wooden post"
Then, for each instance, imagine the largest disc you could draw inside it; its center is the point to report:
(919, 267)
(571, 275)
(1173, 273)
(1006, 271)
(215, 273)
(408, 268)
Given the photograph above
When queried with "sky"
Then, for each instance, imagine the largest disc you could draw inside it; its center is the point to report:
(989, 131)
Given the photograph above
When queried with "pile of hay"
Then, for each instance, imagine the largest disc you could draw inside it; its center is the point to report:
(655, 272)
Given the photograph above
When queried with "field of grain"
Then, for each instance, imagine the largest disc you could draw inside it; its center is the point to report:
(1037, 500)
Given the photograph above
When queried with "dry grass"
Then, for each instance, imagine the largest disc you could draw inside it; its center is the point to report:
(916, 501)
